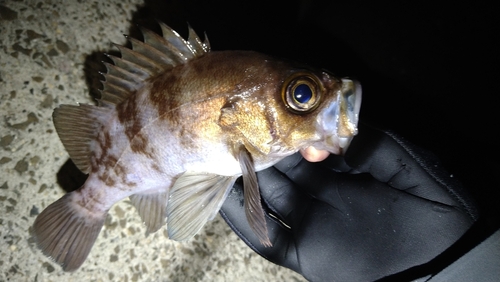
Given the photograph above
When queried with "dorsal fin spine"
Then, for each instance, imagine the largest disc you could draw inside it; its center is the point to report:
(139, 59)
(122, 69)
(119, 82)
(206, 43)
(115, 90)
(195, 42)
(163, 46)
(177, 41)
(132, 68)
(147, 59)
(143, 48)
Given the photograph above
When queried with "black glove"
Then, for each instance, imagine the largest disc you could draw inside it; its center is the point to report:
(383, 208)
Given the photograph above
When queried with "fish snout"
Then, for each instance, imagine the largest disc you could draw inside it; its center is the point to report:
(338, 122)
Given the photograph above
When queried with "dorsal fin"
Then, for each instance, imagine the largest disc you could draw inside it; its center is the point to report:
(77, 126)
(147, 59)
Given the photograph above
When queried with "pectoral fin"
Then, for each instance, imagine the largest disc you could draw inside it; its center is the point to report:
(152, 208)
(194, 199)
(253, 207)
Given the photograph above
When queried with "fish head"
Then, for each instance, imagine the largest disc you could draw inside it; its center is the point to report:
(271, 106)
(320, 111)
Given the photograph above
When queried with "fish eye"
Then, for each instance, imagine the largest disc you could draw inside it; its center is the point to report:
(301, 92)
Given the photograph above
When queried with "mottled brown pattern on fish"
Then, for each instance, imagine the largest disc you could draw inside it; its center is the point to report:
(89, 201)
(166, 96)
(105, 165)
(112, 175)
(139, 144)
(121, 171)
(180, 98)
(129, 115)
(175, 107)
(106, 143)
(155, 167)
(106, 176)
(100, 157)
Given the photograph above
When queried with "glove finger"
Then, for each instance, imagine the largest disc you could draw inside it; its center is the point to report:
(281, 195)
(395, 161)
(310, 181)
(387, 157)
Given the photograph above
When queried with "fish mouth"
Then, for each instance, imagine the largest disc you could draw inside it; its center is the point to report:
(338, 122)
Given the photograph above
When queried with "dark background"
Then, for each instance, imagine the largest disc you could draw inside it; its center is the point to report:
(429, 72)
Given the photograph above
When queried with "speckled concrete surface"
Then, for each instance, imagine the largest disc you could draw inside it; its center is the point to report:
(44, 46)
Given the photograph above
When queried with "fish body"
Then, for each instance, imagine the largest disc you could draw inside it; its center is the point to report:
(176, 125)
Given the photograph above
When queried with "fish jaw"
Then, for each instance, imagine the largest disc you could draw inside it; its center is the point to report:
(338, 122)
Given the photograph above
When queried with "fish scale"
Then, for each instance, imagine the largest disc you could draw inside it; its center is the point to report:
(176, 125)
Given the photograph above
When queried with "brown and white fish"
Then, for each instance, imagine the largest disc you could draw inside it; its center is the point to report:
(177, 125)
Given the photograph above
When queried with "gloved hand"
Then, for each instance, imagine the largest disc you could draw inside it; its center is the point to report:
(383, 208)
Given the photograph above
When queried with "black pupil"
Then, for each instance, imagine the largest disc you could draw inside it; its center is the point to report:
(302, 93)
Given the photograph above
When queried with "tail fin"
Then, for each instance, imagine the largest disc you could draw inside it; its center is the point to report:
(65, 234)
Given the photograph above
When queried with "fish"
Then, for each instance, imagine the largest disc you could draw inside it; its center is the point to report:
(176, 125)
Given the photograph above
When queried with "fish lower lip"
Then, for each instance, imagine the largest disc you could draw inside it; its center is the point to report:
(336, 144)
(344, 141)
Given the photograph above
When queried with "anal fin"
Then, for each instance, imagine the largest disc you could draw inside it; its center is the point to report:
(194, 199)
(65, 233)
(152, 208)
